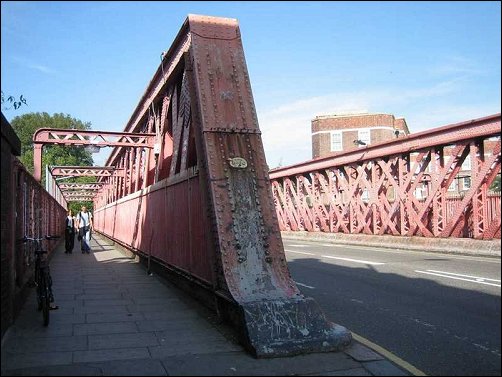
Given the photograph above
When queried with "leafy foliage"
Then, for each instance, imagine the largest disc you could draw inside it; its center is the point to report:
(495, 186)
(77, 206)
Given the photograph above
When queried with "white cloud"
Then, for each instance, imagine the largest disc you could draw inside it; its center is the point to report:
(454, 65)
(286, 130)
(33, 65)
(437, 116)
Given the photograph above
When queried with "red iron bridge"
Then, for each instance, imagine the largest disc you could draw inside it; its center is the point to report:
(187, 188)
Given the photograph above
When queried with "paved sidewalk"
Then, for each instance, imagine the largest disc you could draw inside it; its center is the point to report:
(114, 319)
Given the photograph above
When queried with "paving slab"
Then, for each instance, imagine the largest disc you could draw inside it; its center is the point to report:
(383, 368)
(115, 319)
(242, 364)
(105, 328)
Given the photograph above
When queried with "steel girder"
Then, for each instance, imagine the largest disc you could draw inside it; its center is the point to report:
(88, 190)
(79, 198)
(373, 190)
(207, 194)
(86, 171)
(80, 186)
(83, 137)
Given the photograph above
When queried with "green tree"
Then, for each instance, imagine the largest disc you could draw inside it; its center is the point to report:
(495, 186)
(77, 206)
(25, 127)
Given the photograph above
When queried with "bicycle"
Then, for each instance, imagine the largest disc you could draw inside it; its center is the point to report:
(42, 276)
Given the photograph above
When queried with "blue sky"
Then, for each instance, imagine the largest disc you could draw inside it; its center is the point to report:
(433, 63)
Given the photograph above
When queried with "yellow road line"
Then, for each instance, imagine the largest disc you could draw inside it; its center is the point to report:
(389, 355)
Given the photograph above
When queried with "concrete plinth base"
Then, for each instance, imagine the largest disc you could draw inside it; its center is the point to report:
(286, 328)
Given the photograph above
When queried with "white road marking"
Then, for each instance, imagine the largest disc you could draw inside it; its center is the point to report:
(298, 252)
(304, 285)
(402, 251)
(449, 276)
(354, 260)
(331, 257)
(465, 276)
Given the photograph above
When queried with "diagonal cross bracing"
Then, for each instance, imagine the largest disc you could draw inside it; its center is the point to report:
(45, 136)
(402, 187)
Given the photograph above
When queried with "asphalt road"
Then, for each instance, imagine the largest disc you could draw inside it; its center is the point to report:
(438, 312)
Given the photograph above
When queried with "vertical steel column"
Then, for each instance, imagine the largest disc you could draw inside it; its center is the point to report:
(37, 161)
(275, 318)
(130, 170)
(123, 165)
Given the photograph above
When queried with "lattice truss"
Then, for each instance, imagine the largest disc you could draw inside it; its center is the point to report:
(380, 196)
(169, 117)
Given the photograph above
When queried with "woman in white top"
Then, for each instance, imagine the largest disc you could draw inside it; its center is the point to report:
(84, 225)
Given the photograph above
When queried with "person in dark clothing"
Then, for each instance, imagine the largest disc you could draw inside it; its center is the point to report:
(69, 233)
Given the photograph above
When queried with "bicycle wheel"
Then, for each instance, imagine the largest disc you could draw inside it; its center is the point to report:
(38, 284)
(45, 299)
(39, 298)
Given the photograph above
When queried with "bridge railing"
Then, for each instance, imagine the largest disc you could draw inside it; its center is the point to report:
(199, 204)
(404, 187)
(27, 209)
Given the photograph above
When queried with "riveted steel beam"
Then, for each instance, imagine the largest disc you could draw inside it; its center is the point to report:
(83, 137)
(68, 194)
(275, 317)
(79, 199)
(446, 135)
(210, 194)
(86, 171)
(80, 186)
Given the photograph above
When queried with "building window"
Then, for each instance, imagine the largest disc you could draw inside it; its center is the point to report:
(365, 195)
(419, 193)
(364, 136)
(336, 141)
(466, 183)
(467, 163)
(453, 185)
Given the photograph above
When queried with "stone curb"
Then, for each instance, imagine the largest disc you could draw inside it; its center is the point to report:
(461, 246)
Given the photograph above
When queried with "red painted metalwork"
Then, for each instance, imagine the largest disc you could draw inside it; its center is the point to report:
(87, 191)
(82, 137)
(201, 204)
(26, 210)
(373, 190)
(80, 199)
(70, 194)
(38, 212)
(86, 171)
(80, 186)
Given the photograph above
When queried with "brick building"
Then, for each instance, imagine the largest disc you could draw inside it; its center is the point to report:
(332, 134)
(337, 133)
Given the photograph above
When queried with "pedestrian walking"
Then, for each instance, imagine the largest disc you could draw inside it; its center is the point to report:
(84, 226)
(69, 233)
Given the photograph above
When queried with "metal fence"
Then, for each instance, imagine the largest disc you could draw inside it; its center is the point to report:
(38, 214)
(402, 187)
(27, 209)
